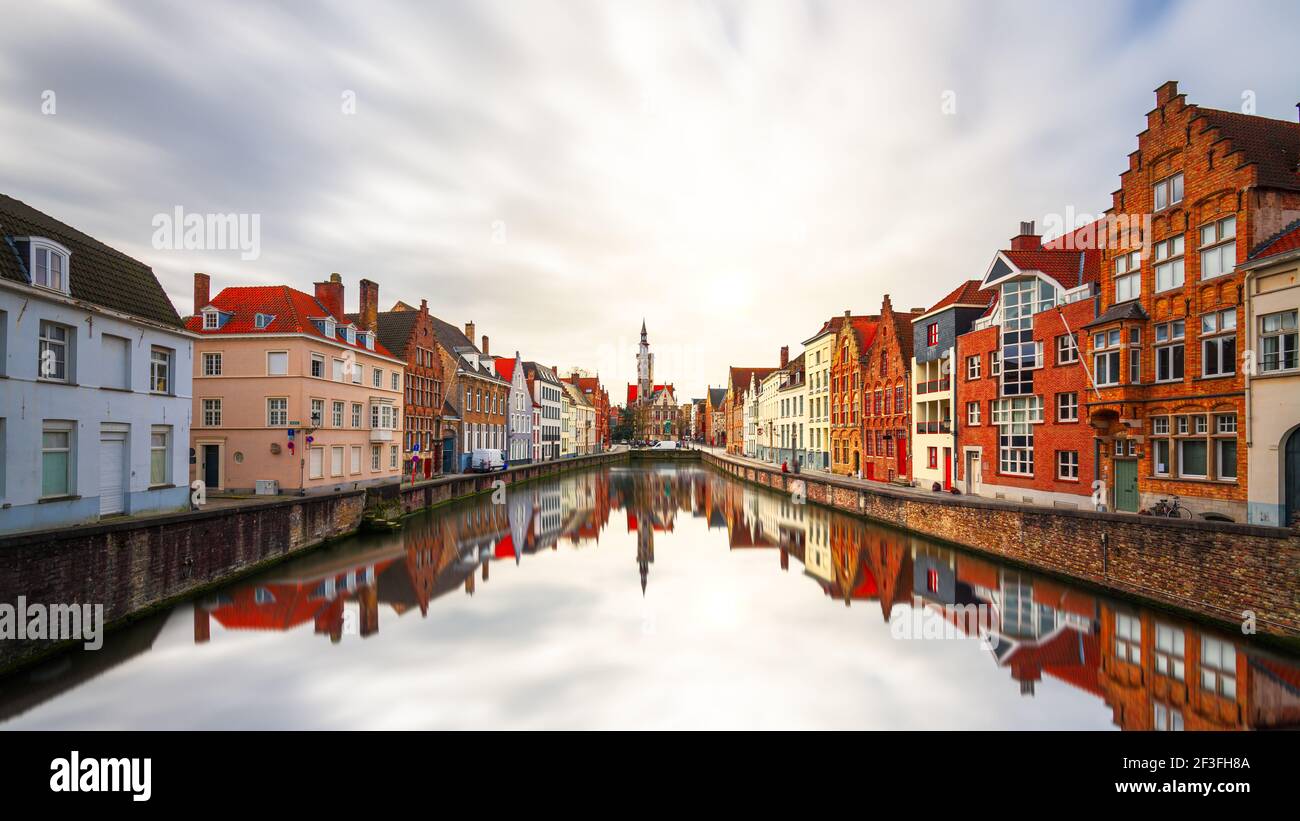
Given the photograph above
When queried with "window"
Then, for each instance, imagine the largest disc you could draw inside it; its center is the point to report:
(336, 460)
(932, 334)
(337, 369)
(160, 446)
(1225, 445)
(1067, 349)
(995, 364)
(1169, 264)
(1170, 654)
(1218, 667)
(53, 360)
(1169, 191)
(211, 320)
(973, 367)
(336, 416)
(1067, 407)
(1219, 343)
(1169, 351)
(397, 381)
(376, 454)
(356, 414)
(377, 378)
(1067, 464)
(277, 412)
(317, 366)
(115, 369)
(932, 458)
(1128, 287)
(277, 363)
(1277, 342)
(1016, 418)
(262, 320)
(212, 413)
(160, 370)
(356, 459)
(972, 413)
(392, 456)
(1128, 638)
(56, 459)
(1219, 248)
(1166, 718)
(316, 463)
(50, 267)
(317, 412)
(1105, 357)
(212, 364)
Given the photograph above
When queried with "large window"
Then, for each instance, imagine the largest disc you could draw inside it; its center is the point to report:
(1128, 276)
(1016, 419)
(1169, 264)
(1020, 300)
(1106, 357)
(1184, 445)
(1168, 191)
(160, 451)
(1128, 638)
(54, 343)
(1219, 248)
(1277, 342)
(56, 459)
(277, 412)
(1218, 667)
(1170, 654)
(1169, 351)
(49, 268)
(1219, 343)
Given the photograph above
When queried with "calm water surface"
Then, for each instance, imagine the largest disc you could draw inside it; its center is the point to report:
(655, 598)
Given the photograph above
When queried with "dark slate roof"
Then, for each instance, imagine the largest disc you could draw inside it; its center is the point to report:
(449, 336)
(532, 369)
(1272, 145)
(1120, 311)
(394, 331)
(97, 273)
(716, 396)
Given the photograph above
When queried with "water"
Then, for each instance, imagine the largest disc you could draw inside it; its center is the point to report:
(654, 598)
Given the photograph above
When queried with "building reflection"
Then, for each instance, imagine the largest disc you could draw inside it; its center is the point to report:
(1152, 669)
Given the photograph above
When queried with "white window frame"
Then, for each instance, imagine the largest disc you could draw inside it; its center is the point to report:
(211, 416)
(1218, 247)
(277, 411)
(212, 363)
(1278, 330)
(164, 431)
(1171, 188)
(50, 250)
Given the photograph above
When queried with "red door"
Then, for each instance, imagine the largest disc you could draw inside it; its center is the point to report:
(947, 468)
(902, 454)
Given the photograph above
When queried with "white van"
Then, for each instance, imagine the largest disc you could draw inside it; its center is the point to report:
(667, 444)
(486, 460)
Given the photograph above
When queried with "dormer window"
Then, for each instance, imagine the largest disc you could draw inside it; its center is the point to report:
(350, 335)
(263, 320)
(49, 265)
(211, 320)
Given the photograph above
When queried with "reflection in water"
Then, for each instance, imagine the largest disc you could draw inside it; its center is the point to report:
(1150, 669)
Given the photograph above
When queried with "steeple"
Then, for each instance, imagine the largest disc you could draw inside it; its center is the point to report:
(644, 340)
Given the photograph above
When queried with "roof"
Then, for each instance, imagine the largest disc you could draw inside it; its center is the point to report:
(970, 293)
(865, 329)
(292, 312)
(394, 329)
(1272, 145)
(506, 368)
(1120, 311)
(717, 396)
(632, 391)
(739, 377)
(532, 370)
(1285, 241)
(97, 274)
(831, 325)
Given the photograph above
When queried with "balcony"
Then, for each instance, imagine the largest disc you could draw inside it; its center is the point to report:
(934, 385)
(381, 434)
(934, 427)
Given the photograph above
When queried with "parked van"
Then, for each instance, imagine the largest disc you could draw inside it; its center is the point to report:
(667, 444)
(486, 460)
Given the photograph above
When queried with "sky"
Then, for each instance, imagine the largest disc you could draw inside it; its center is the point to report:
(556, 172)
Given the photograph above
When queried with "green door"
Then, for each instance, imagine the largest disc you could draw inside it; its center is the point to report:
(1126, 485)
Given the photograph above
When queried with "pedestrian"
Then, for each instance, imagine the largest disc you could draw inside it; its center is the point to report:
(785, 467)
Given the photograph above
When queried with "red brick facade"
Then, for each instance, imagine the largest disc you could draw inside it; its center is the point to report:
(887, 398)
(848, 374)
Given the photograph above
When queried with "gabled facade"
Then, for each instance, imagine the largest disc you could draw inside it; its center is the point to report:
(95, 379)
(1209, 186)
(934, 342)
(818, 352)
(287, 389)
(792, 420)
(547, 393)
(848, 375)
(739, 381)
(1020, 381)
(519, 415)
(887, 398)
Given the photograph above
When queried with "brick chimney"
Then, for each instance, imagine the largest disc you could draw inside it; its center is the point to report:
(424, 306)
(1167, 91)
(202, 288)
(485, 346)
(330, 295)
(1026, 240)
(469, 332)
(369, 309)
(785, 355)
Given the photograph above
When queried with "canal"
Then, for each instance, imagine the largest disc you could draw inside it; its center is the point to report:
(655, 597)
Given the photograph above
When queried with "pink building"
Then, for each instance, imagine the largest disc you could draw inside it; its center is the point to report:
(288, 390)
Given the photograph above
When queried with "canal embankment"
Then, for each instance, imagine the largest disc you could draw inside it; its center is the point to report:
(1223, 571)
(134, 566)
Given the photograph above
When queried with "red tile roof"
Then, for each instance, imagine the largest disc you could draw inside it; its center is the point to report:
(506, 369)
(970, 292)
(632, 391)
(1287, 240)
(293, 312)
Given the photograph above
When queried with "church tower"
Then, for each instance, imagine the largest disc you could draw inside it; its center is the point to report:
(645, 367)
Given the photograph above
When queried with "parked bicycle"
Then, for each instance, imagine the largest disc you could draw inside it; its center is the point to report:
(1170, 509)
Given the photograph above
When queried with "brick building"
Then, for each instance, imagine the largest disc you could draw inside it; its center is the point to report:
(887, 397)
(738, 384)
(477, 393)
(408, 334)
(1203, 189)
(714, 421)
(1020, 379)
(847, 373)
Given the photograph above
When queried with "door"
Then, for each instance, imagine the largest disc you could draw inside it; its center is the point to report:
(947, 468)
(1126, 485)
(448, 450)
(112, 473)
(1291, 491)
(901, 436)
(212, 466)
(973, 473)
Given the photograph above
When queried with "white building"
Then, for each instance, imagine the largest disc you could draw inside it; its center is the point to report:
(817, 351)
(96, 372)
(519, 413)
(546, 390)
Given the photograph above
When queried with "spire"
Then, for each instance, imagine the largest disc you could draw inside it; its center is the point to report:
(643, 334)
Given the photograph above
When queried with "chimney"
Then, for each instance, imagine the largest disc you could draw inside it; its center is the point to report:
(846, 313)
(785, 355)
(424, 306)
(1167, 91)
(369, 309)
(202, 287)
(330, 295)
(1026, 240)
(469, 332)
(485, 345)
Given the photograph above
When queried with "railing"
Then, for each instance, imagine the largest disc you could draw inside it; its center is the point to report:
(934, 427)
(934, 385)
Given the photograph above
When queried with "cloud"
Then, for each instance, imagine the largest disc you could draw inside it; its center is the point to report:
(732, 172)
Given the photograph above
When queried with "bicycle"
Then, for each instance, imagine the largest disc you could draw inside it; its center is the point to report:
(1170, 510)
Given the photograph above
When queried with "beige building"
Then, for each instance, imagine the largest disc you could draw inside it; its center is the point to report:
(1272, 368)
(817, 373)
(580, 422)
